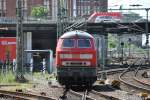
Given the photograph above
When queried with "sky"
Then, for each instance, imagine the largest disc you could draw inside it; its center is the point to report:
(126, 4)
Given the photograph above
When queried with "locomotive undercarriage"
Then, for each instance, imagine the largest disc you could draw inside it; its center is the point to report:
(82, 76)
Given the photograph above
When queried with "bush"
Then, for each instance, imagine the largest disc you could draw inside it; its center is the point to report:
(39, 11)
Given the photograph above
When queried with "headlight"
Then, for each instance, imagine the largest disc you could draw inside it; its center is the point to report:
(86, 56)
(65, 56)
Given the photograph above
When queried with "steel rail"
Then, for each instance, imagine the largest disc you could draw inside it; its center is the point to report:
(83, 96)
(104, 95)
(26, 96)
(131, 84)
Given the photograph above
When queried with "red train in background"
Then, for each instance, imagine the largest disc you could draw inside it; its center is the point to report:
(98, 17)
(7, 48)
(76, 59)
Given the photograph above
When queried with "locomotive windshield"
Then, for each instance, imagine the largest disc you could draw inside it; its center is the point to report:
(81, 43)
(84, 43)
(67, 43)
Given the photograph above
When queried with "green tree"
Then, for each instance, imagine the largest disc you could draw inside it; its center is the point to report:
(112, 41)
(39, 11)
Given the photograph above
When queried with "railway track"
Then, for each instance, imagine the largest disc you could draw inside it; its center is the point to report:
(112, 71)
(130, 81)
(129, 78)
(116, 94)
(89, 95)
(92, 95)
(23, 96)
(111, 93)
(82, 95)
(100, 96)
(138, 77)
(73, 95)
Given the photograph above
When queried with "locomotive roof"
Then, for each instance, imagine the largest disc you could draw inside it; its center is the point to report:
(80, 34)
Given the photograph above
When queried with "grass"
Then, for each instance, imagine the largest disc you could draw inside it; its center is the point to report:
(10, 79)
(44, 76)
(7, 78)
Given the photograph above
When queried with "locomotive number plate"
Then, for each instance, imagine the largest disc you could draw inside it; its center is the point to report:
(75, 56)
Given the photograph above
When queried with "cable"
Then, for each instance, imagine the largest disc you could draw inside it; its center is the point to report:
(138, 26)
(130, 27)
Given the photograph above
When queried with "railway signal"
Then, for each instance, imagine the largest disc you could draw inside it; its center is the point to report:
(122, 45)
(129, 41)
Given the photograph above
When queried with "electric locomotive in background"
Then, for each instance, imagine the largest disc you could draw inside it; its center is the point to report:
(76, 59)
(98, 17)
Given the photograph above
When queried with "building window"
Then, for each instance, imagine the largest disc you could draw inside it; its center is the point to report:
(24, 6)
(2, 7)
(78, 10)
(88, 10)
(47, 5)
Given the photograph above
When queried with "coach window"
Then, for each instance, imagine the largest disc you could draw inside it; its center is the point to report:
(68, 43)
(84, 43)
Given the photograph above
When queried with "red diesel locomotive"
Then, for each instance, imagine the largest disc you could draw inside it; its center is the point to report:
(76, 59)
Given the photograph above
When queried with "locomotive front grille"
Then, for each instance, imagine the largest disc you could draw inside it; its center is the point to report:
(76, 63)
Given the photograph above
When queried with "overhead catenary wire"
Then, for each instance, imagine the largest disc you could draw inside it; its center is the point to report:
(137, 26)
(130, 27)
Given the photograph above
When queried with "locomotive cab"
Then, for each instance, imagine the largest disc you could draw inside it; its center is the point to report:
(76, 60)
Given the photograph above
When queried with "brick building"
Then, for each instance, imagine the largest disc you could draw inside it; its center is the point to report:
(84, 7)
(73, 7)
(8, 7)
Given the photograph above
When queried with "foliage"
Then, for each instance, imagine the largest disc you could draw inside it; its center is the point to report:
(8, 78)
(112, 41)
(39, 11)
(47, 76)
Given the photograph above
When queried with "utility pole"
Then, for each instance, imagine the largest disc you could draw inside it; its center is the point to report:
(103, 56)
(59, 28)
(2, 10)
(61, 17)
(147, 34)
(19, 38)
